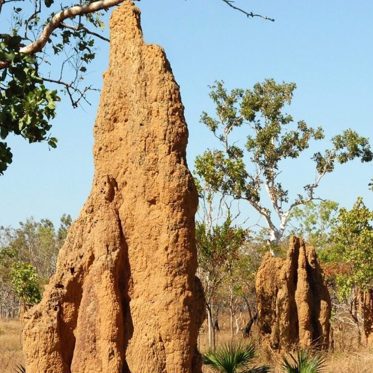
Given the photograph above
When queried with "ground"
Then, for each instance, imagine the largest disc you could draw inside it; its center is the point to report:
(347, 358)
(10, 345)
(355, 361)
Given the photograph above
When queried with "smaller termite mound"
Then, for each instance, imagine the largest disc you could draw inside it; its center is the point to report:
(293, 301)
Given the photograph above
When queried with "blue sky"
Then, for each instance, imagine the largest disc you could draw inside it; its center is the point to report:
(323, 46)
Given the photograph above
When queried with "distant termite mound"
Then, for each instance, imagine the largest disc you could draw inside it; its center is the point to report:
(292, 298)
(125, 298)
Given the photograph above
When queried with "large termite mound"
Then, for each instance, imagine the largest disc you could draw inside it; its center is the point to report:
(293, 300)
(125, 298)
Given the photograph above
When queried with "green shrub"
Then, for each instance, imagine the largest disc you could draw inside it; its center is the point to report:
(233, 358)
(25, 282)
(303, 362)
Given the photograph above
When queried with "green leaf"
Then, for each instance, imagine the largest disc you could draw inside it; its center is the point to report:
(48, 3)
(52, 142)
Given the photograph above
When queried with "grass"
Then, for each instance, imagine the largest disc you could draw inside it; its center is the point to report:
(347, 361)
(10, 345)
(347, 357)
(350, 362)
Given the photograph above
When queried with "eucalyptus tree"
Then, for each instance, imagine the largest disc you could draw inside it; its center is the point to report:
(314, 221)
(246, 170)
(218, 250)
(352, 239)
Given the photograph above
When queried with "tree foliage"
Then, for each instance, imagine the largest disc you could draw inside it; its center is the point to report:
(314, 222)
(218, 249)
(352, 244)
(26, 283)
(28, 256)
(243, 171)
(33, 65)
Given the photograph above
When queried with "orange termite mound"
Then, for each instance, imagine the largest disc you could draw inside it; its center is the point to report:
(293, 301)
(125, 298)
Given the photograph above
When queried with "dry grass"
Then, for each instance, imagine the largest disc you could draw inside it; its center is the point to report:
(361, 362)
(354, 361)
(358, 362)
(10, 345)
(350, 360)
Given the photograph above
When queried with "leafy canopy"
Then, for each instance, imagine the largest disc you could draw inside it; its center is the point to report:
(26, 283)
(352, 244)
(27, 106)
(218, 250)
(314, 222)
(29, 79)
(244, 170)
(28, 256)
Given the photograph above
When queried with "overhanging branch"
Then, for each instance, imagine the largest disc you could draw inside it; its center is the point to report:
(55, 22)
(58, 19)
(71, 89)
(248, 14)
(79, 10)
(83, 28)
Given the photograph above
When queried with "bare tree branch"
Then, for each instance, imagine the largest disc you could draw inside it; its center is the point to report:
(33, 16)
(56, 21)
(71, 89)
(79, 10)
(230, 3)
(83, 28)
(2, 2)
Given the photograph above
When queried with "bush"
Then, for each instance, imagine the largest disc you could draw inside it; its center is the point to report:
(303, 362)
(233, 358)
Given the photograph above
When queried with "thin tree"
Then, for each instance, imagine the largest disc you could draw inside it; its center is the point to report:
(246, 171)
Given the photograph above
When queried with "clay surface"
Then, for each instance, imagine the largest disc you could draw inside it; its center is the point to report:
(125, 298)
(292, 298)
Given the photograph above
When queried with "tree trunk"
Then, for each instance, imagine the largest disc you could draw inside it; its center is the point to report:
(231, 311)
(210, 325)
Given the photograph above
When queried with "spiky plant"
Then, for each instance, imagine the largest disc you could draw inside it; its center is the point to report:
(233, 358)
(303, 362)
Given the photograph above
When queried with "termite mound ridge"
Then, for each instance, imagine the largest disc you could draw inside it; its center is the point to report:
(293, 301)
(124, 298)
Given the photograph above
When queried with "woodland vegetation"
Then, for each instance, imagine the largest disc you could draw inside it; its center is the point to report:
(232, 177)
(28, 257)
(229, 256)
